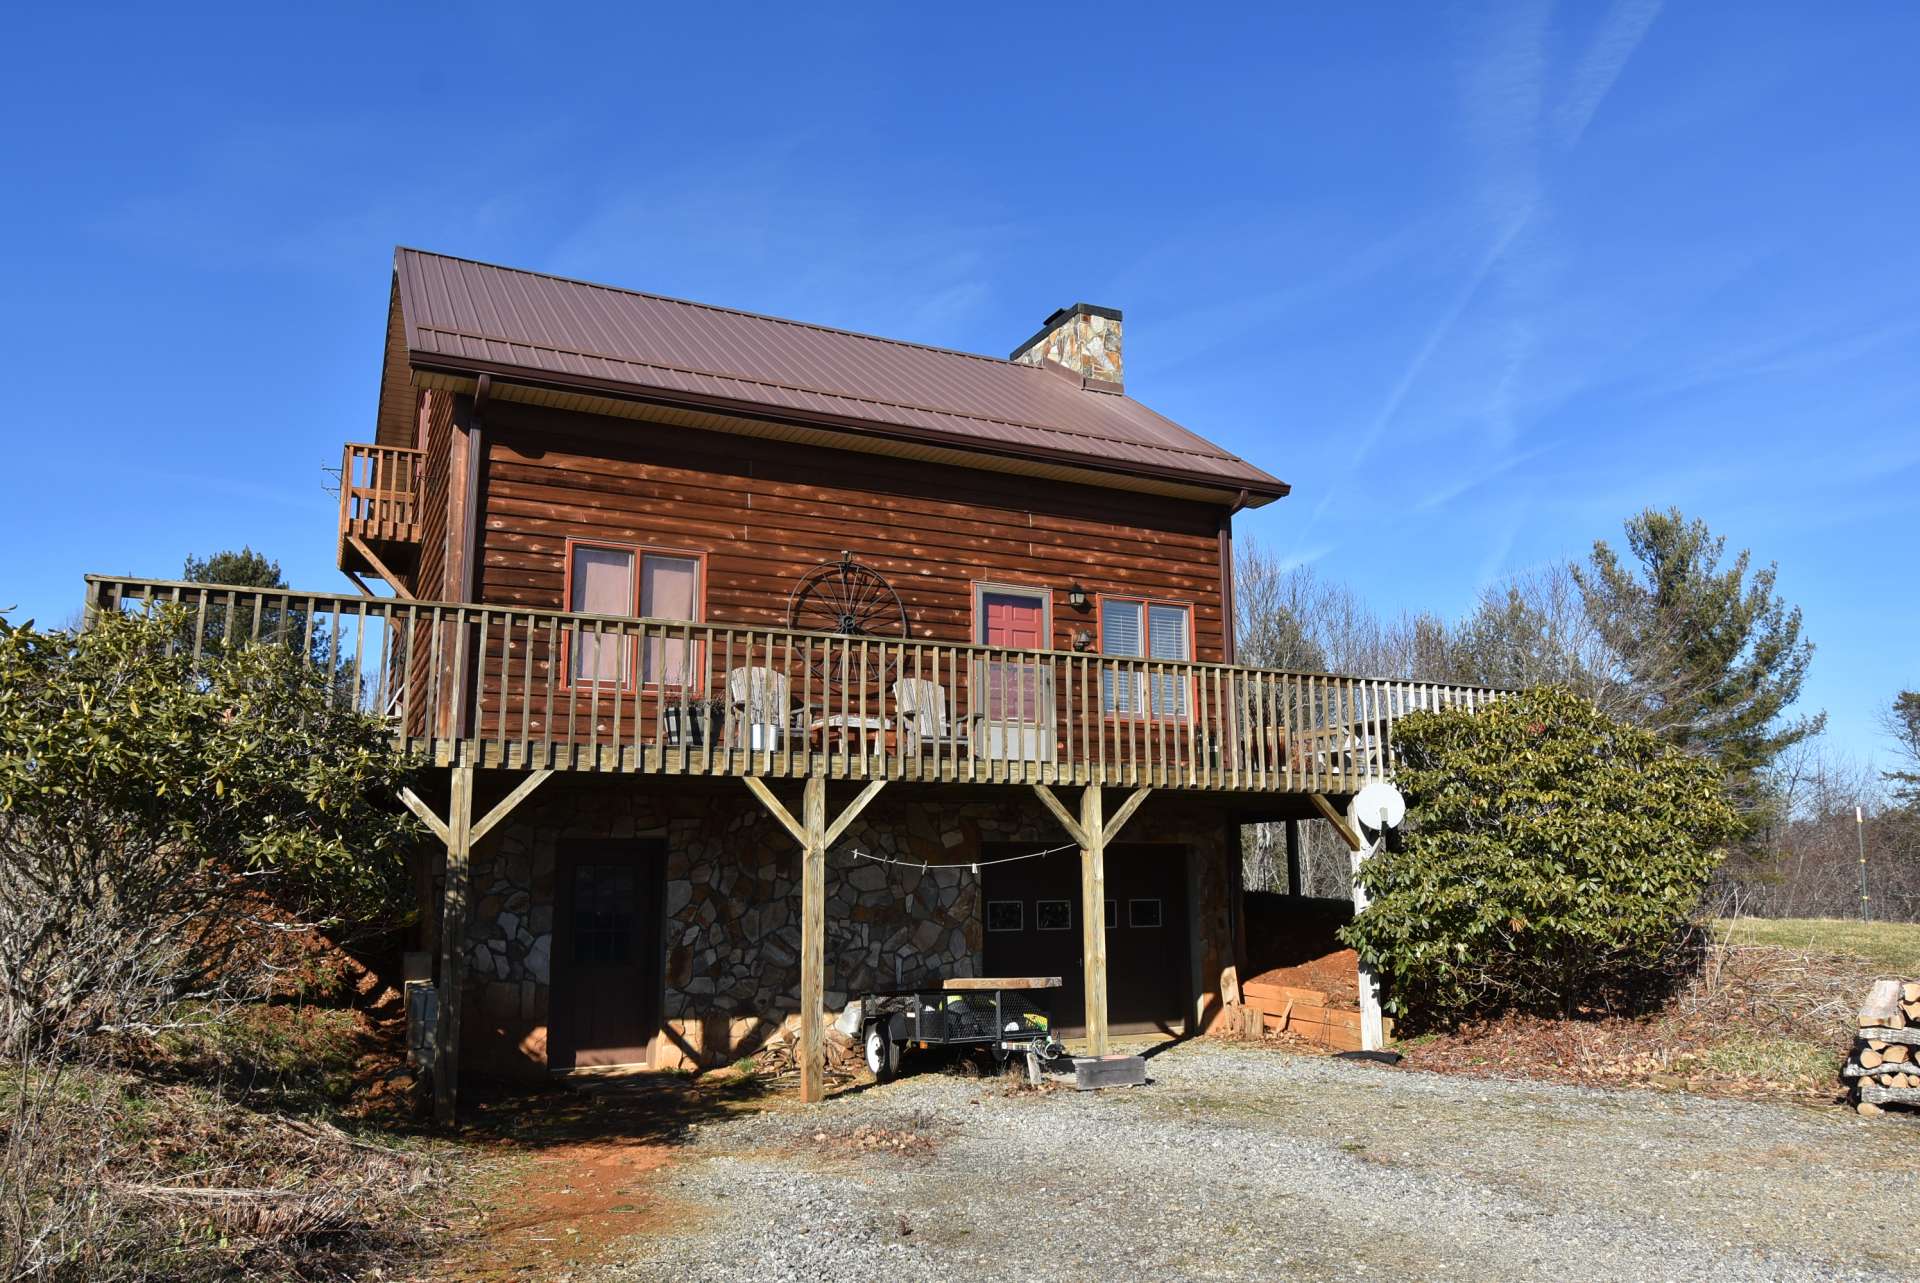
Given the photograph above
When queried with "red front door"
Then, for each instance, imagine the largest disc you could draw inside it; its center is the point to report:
(1015, 622)
(1018, 705)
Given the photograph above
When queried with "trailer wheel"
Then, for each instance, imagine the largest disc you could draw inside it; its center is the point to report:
(883, 1053)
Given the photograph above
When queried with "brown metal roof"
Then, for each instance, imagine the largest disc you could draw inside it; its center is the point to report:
(525, 326)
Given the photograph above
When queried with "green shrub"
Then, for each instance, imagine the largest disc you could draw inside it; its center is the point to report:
(1553, 862)
(168, 821)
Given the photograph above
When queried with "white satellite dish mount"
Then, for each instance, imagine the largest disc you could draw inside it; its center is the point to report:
(1380, 806)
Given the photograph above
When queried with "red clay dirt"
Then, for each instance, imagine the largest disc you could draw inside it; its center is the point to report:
(563, 1209)
(1335, 974)
(570, 1170)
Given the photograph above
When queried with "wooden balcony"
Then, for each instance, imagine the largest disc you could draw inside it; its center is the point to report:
(379, 508)
(503, 687)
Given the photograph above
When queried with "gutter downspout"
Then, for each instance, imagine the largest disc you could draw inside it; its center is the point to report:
(1227, 610)
(476, 488)
(470, 542)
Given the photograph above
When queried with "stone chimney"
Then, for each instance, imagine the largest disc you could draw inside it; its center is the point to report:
(1082, 339)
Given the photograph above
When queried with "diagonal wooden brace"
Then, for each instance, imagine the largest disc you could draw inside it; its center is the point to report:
(815, 835)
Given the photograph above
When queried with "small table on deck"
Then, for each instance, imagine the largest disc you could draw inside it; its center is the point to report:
(845, 730)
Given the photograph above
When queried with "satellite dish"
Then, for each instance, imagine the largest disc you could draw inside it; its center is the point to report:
(1379, 806)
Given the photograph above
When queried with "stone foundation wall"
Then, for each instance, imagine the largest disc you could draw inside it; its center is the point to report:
(731, 930)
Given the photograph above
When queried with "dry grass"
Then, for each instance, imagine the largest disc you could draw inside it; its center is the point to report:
(1894, 946)
(1759, 1020)
(216, 1151)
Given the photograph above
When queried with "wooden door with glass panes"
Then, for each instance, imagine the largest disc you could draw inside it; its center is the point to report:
(1031, 912)
(605, 999)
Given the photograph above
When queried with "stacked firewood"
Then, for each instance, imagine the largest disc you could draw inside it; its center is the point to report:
(781, 1056)
(1885, 1065)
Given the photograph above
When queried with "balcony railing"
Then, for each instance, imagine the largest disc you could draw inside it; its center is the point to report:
(380, 494)
(501, 686)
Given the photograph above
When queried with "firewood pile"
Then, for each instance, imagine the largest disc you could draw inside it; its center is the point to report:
(781, 1057)
(1885, 1065)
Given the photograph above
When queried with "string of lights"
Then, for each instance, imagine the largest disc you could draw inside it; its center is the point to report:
(975, 865)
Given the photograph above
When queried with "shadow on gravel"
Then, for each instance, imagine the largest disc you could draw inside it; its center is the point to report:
(646, 1109)
(1169, 1045)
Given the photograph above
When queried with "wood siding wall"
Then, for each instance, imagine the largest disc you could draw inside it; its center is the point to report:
(764, 512)
(396, 424)
(429, 580)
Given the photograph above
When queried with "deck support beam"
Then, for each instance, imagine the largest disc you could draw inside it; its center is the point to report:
(453, 946)
(1348, 833)
(379, 567)
(814, 834)
(1093, 832)
(459, 834)
(1093, 916)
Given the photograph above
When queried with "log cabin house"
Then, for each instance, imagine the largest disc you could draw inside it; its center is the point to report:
(740, 649)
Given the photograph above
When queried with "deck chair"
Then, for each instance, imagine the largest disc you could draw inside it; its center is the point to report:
(760, 710)
(924, 717)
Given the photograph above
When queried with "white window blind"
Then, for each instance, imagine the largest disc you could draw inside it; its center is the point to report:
(1167, 638)
(1120, 634)
(1150, 630)
(1120, 628)
(669, 589)
(602, 584)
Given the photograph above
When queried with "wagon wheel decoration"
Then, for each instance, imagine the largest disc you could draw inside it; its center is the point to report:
(849, 600)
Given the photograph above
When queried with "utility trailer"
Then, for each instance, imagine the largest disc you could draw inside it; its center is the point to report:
(1002, 1015)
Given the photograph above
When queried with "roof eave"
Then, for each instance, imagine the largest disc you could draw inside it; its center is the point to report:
(1259, 490)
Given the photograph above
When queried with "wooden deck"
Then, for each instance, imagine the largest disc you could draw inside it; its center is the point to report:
(503, 687)
(380, 493)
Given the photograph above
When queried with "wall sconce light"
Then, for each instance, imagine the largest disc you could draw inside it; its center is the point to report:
(1082, 640)
(1076, 596)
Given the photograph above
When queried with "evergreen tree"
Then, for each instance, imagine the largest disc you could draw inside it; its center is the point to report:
(1903, 723)
(247, 568)
(1710, 656)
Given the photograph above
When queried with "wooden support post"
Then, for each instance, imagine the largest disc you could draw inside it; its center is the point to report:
(1093, 831)
(459, 833)
(1293, 857)
(453, 947)
(814, 835)
(1093, 916)
(813, 940)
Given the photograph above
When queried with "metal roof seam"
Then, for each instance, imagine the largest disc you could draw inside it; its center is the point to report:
(833, 393)
(806, 417)
(535, 324)
(718, 308)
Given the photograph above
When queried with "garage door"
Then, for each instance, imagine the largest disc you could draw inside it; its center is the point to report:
(1033, 928)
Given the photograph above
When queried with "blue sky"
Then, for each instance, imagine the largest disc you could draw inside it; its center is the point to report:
(1480, 281)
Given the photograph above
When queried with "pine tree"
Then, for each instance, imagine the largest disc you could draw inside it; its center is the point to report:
(246, 567)
(1710, 656)
(1903, 723)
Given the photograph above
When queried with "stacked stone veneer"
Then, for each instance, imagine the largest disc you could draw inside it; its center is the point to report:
(731, 933)
(1082, 341)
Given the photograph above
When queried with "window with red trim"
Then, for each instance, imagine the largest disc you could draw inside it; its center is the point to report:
(1142, 628)
(621, 579)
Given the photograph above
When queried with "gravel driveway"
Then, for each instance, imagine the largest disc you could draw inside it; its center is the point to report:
(1247, 1163)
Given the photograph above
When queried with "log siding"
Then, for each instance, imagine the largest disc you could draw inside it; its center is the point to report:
(765, 512)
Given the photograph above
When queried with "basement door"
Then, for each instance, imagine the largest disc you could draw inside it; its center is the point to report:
(605, 1001)
(1032, 921)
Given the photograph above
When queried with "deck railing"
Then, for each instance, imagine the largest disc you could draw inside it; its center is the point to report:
(502, 686)
(380, 493)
